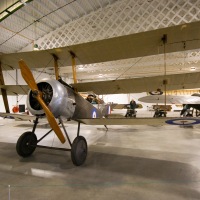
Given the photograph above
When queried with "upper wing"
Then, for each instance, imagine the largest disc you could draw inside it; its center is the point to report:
(135, 85)
(123, 47)
(15, 89)
(145, 84)
(170, 99)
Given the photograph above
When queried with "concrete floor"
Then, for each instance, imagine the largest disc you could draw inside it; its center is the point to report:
(123, 163)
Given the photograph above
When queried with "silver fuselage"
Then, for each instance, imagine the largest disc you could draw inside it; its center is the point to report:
(63, 101)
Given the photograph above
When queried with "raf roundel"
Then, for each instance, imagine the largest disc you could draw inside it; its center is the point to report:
(109, 110)
(183, 121)
(94, 114)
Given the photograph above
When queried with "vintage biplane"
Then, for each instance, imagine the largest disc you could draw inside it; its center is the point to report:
(56, 99)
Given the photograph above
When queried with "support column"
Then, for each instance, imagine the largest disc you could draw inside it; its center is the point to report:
(3, 91)
(56, 66)
(17, 99)
(164, 39)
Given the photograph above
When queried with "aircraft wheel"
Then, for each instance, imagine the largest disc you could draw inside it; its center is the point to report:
(79, 150)
(24, 143)
(197, 113)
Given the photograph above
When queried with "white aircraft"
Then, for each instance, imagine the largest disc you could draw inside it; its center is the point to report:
(192, 101)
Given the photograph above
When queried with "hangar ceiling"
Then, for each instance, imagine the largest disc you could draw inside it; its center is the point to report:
(58, 23)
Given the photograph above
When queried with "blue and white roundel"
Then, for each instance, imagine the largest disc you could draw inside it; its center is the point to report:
(183, 121)
(94, 114)
(109, 110)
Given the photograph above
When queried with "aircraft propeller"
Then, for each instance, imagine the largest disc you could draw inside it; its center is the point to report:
(28, 77)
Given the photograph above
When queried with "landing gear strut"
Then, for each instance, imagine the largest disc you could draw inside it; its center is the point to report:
(28, 142)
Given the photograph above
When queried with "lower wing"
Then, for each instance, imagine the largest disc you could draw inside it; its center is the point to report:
(141, 121)
(17, 116)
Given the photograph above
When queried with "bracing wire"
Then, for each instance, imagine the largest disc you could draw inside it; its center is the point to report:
(37, 21)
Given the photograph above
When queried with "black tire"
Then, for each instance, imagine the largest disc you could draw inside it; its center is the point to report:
(79, 151)
(24, 143)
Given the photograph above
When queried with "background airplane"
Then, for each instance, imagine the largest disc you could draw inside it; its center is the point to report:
(188, 102)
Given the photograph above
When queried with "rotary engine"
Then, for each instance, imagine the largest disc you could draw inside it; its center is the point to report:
(59, 99)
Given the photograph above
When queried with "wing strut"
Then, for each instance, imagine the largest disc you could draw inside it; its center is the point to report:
(164, 39)
(73, 66)
(3, 91)
(56, 66)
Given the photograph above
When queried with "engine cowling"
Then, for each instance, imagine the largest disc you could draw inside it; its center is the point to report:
(57, 98)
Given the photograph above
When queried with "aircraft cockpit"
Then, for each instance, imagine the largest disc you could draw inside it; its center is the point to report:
(92, 98)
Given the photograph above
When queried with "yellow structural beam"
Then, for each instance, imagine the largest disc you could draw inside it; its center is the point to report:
(3, 91)
(56, 66)
(74, 66)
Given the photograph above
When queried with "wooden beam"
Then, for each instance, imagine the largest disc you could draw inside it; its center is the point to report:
(56, 66)
(3, 91)
(73, 66)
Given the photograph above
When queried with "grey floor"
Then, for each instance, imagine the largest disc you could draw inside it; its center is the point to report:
(125, 162)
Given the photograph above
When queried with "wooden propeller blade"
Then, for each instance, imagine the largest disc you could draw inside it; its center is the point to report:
(28, 77)
(51, 119)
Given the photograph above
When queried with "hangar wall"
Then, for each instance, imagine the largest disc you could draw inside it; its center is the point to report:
(125, 98)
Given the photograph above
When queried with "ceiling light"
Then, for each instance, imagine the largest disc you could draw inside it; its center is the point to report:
(192, 68)
(100, 75)
(24, 2)
(3, 14)
(14, 6)
(35, 47)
